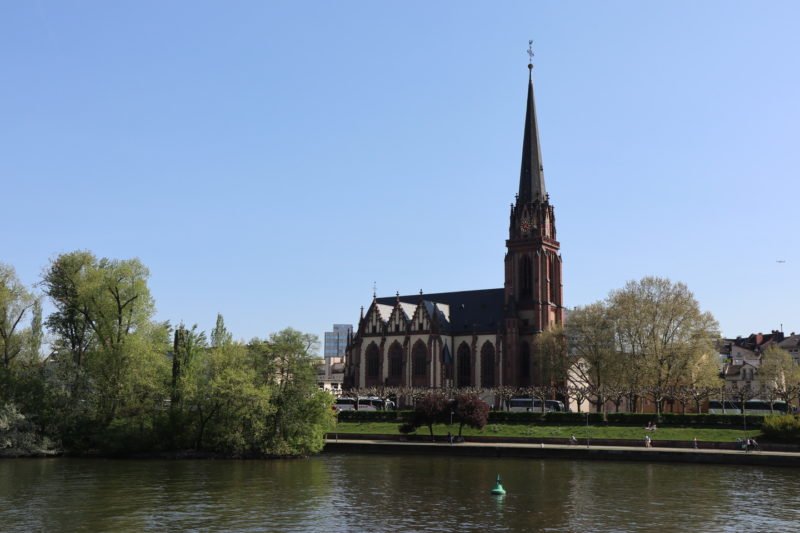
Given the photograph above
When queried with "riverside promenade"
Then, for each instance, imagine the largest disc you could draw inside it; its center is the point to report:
(562, 451)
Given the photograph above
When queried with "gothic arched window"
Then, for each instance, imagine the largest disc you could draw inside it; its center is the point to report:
(395, 364)
(463, 360)
(419, 365)
(487, 365)
(373, 360)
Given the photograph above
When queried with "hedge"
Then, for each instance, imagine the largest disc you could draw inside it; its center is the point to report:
(573, 419)
(674, 419)
(371, 416)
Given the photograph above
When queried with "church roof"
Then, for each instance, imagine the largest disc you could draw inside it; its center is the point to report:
(531, 177)
(459, 312)
(384, 310)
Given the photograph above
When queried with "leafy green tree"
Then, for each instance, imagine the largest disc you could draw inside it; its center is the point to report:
(779, 374)
(302, 413)
(220, 335)
(590, 337)
(551, 348)
(187, 345)
(107, 348)
(662, 332)
(35, 334)
(15, 303)
(64, 283)
(229, 406)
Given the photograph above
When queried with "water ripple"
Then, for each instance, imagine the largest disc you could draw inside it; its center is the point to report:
(339, 493)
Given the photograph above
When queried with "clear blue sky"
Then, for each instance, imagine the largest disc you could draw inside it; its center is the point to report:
(270, 160)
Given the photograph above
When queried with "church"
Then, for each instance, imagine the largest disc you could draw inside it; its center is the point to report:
(475, 338)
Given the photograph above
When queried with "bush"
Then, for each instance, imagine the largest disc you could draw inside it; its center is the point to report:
(470, 411)
(407, 428)
(372, 416)
(574, 419)
(18, 436)
(783, 428)
(677, 420)
(506, 417)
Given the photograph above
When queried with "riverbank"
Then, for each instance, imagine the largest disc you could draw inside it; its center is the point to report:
(592, 451)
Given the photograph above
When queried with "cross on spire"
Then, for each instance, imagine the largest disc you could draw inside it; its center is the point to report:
(530, 55)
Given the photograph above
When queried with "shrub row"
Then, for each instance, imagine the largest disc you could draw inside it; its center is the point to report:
(785, 428)
(506, 417)
(617, 419)
(372, 416)
(674, 419)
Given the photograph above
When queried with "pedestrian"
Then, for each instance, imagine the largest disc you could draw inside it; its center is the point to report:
(450, 438)
(694, 443)
(647, 441)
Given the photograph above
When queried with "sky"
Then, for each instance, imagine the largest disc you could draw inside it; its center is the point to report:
(271, 161)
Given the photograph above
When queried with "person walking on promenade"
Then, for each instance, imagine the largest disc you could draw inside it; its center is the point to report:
(694, 443)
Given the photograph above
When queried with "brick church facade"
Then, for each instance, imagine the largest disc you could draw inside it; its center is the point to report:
(475, 338)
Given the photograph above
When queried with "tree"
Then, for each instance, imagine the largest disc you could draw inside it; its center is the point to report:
(15, 302)
(102, 324)
(590, 337)
(227, 405)
(430, 407)
(743, 394)
(661, 330)
(778, 373)
(704, 378)
(470, 410)
(301, 412)
(64, 282)
(551, 348)
(220, 335)
(35, 334)
(187, 345)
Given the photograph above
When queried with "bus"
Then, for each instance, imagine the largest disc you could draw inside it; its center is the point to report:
(525, 405)
(555, 406)
(373, 403)
(345, 404)
(751, 407)
(534, 405)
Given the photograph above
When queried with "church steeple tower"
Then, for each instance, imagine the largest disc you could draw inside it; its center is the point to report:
(531, 175)
(533, 288)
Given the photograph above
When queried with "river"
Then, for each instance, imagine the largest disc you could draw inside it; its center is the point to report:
(351, 493)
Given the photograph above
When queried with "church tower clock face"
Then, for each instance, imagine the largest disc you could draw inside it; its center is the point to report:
(525, 226)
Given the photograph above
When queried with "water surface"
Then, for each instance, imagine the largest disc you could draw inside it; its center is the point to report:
(338, 493)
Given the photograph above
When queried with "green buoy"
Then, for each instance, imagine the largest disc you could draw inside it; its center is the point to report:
(498, 489)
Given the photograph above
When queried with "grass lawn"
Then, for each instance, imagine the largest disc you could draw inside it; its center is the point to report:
(537, 431)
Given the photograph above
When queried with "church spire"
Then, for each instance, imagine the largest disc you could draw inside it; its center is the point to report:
(531, 177)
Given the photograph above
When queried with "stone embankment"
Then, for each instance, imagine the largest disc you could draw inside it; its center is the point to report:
(581, 451)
